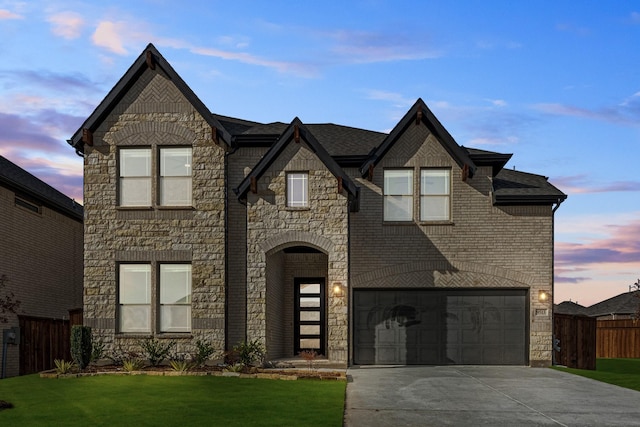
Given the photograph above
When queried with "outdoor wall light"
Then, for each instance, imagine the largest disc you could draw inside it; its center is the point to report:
(337, 289)
(543, 296)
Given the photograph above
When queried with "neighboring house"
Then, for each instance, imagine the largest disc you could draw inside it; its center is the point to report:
(621, 307)
(570, 308)
(369, 248)
(40, 256)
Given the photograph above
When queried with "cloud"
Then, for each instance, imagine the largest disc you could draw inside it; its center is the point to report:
(67, 25)
(625, 113)
(579, 184)
(398, 100)
(621, 245)
(7, 14)
(573, 29)
(635, 17)
(34, 134)
(368, 47)
(111, 36)
(46, 79)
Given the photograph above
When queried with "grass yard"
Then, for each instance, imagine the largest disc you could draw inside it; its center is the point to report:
(184, 401)
(621, 372)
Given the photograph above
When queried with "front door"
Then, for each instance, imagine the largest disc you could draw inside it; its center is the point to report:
(310, 315)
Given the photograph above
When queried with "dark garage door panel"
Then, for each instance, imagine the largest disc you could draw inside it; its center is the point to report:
(438, 327)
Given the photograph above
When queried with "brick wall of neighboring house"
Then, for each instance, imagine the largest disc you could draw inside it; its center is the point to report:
(155, 113)
(484, 246)
(272, 227)
(41, 259)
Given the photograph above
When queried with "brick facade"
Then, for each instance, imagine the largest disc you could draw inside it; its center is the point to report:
(41, 260)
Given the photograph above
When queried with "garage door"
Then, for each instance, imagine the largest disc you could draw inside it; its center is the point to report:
(440, 327)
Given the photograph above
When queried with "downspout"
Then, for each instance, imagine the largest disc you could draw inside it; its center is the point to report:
(553, 280)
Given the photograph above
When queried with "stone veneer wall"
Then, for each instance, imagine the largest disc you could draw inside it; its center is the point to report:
(155, 113)
(271, 226)
(483, 246)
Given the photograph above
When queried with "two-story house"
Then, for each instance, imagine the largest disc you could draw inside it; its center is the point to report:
(369, 248)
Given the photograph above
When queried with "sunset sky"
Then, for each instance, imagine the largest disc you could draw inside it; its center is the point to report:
(556, 83)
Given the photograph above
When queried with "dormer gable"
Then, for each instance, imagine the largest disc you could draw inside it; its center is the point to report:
(419, 114)
(297, 133)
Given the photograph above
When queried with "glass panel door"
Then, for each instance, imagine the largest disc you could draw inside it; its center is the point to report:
(310, 315)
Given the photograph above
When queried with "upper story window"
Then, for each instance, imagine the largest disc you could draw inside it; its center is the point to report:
(298, 189)
(435, 195)
(175, 176)
(139, 177)
(135, 177)
(398, 194)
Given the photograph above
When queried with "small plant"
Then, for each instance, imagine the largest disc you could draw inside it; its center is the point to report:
(180, 365)
(236, 367)
(250, 353)
(155, 350)
(63, 367)
(133, 364)
(97, 350)
(81, 347)
(118, 355)
(309, 356)
(204, 350)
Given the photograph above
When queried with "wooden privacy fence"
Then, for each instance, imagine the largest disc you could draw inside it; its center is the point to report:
(42, 340)
(618, 338)
(577, 336)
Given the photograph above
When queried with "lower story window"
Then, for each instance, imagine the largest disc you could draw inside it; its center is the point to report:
(175, 298)
(137, 298)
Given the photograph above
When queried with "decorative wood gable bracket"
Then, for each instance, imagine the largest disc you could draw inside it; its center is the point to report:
(296, 134)
(419, 116)
(465, 173)
(151, 62)
(370, 173)
(87, 137)
(214, 135)
(254, 185)
(339, 184)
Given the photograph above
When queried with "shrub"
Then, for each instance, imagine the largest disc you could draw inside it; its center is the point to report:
(63, 367)
(204, 350)
(97, 350)
(81, 348)
(155, 350)
(249, 353)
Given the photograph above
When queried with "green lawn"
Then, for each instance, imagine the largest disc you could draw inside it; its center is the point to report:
(622, 372)
(184, 401)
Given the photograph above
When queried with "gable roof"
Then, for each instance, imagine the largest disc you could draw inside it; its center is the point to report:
(422, 114)
(285, 139)
(149, 58)
(626, 303)
(514, 187)
(19, 180)
(570, 307)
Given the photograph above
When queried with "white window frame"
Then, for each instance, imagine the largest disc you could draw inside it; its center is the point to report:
(175, 303)
(135, 182)
(435, 196)
(297, 189)
(134, 303)
(175, 181)
(398, 204)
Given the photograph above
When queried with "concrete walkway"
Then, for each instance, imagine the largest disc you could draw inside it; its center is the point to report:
(484, 396)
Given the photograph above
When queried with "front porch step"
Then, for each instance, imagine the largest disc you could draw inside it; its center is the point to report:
(299, 363)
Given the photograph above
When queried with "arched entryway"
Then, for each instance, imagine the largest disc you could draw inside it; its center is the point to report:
(296, 300)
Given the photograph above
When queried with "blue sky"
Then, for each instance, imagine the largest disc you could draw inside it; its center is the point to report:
(556, 83)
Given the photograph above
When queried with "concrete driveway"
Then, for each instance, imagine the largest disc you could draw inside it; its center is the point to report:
(484, 395)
